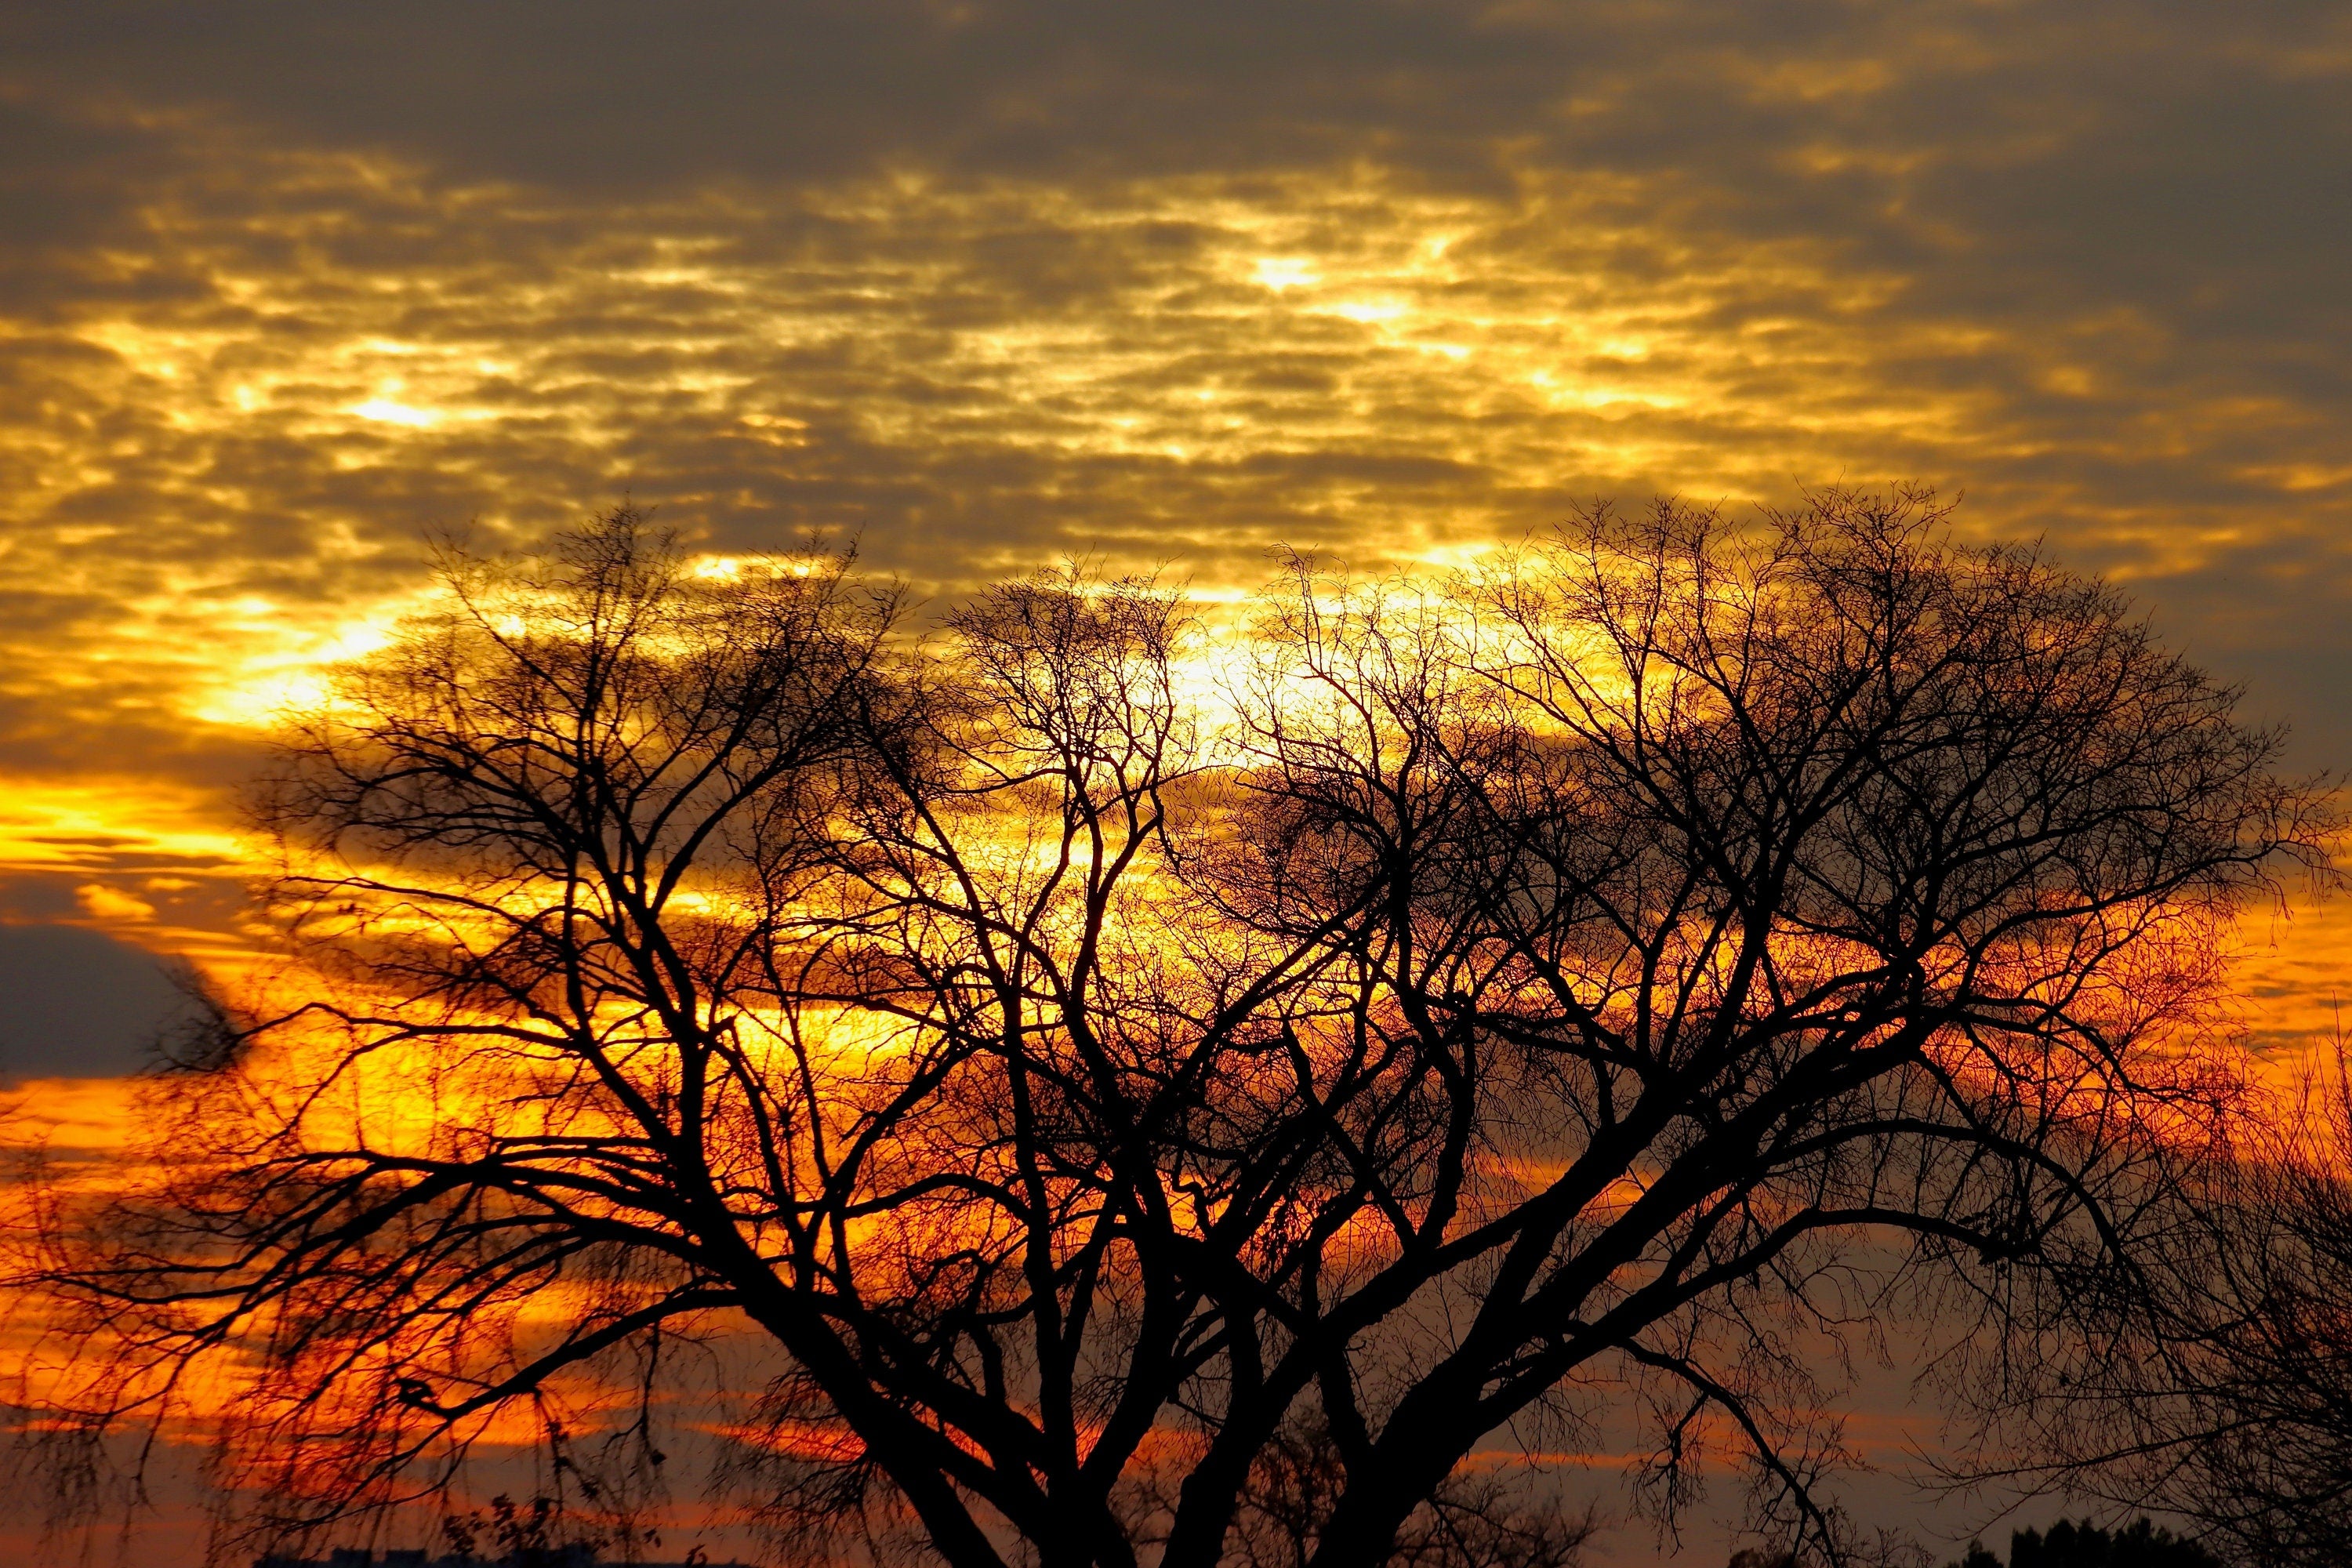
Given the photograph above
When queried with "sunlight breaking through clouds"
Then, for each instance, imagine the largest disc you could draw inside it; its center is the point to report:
(1385, 293)
(288, 295)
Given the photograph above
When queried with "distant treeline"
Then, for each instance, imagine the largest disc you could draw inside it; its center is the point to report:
(2143, 1544)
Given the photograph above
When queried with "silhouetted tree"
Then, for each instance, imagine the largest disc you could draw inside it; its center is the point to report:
(2143, 1544)
(2261, 1446)
(1151, 1128)
(2241, 1418)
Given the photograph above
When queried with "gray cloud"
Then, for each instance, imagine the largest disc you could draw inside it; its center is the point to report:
(974, 283)
(75, 1004)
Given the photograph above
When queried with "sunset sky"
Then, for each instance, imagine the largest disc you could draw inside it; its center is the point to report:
(285, 288)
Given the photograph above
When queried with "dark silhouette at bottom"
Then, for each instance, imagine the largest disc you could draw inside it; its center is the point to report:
(2143, 1544)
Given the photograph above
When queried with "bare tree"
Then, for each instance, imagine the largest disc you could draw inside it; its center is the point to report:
(1154, 1128)
(2236, 1410)
(2264, 1456)
(1473, 1519)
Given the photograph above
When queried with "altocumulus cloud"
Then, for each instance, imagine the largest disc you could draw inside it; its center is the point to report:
(981, 283)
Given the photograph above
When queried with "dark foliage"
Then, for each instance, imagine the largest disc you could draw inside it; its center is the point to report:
(2142, 1543)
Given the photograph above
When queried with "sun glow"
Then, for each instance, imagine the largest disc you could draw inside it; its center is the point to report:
(385, 411)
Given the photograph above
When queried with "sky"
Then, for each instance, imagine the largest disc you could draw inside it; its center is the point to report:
(285, 290)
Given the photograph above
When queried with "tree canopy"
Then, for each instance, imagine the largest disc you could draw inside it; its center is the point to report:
(1167, 1093)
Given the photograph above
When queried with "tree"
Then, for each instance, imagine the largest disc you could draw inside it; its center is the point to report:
(1146, 1127)
(2239, 1416)
(2259, 1428)
(2143, 1544)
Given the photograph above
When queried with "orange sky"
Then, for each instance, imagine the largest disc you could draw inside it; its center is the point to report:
(982, 284)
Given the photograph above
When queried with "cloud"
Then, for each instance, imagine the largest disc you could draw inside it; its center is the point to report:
(105, 903)
(981, 284)
(80, 1004)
